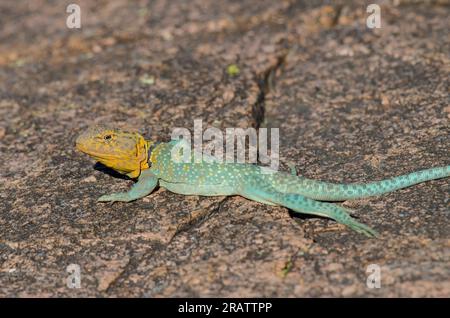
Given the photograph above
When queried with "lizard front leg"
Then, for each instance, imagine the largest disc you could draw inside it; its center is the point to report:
(147, 182)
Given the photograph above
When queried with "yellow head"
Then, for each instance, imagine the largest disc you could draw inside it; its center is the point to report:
(125, 152)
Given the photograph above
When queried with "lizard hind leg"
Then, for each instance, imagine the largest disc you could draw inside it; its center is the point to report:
(302, 204)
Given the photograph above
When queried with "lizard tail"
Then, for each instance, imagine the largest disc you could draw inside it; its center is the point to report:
(326, 191)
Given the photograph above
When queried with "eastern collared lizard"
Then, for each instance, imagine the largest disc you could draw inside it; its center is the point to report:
(153, 164)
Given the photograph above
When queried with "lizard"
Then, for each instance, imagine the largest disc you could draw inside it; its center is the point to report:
(158, 164)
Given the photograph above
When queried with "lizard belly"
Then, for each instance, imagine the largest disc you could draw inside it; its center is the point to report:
(193, 189)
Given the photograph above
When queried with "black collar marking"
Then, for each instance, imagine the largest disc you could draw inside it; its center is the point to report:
(149, 153)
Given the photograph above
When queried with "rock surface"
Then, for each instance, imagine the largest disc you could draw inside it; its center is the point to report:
(352, 104)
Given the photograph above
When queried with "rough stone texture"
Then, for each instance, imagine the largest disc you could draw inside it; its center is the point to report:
(352, 104)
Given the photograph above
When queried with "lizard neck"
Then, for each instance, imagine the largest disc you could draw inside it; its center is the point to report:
(143, 160)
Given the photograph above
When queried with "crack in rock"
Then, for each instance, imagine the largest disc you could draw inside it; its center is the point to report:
(266, 83)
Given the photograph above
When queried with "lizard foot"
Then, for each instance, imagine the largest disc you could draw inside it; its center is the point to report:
(115, 197)
(361, 228)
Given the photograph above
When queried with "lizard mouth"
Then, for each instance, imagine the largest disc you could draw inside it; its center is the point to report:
(129, 164)
(102, 157)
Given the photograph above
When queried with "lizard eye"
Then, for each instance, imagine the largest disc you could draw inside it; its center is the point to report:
(107, 137)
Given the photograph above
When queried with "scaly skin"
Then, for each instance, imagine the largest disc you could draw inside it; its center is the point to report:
(153, 164)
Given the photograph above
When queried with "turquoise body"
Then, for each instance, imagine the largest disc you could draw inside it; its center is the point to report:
(210, 178)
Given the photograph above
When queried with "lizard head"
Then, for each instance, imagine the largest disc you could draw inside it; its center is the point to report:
(125, 152)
